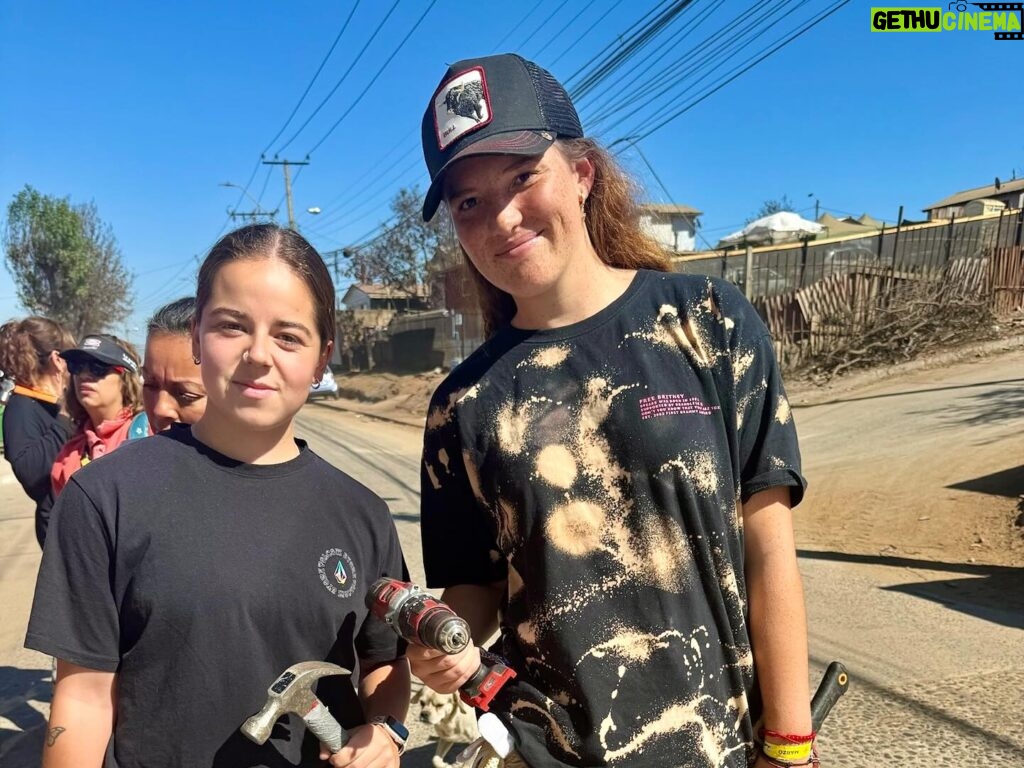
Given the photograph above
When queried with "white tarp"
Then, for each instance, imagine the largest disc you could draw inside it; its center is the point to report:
(782, 227)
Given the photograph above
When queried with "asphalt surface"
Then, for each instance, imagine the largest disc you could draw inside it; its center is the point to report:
(933, 649)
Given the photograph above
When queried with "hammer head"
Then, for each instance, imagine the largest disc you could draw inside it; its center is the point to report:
(291, 693)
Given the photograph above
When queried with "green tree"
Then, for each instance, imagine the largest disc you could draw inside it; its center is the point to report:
(768, 207)
(408, 253)
(65, 262)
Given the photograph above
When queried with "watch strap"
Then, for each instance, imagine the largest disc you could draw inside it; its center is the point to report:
(393, 728)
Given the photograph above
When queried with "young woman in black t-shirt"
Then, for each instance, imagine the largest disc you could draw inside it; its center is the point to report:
(608, 479)
(187, 570)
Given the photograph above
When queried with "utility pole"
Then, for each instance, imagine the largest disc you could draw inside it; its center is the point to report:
(252, 216)
(288, 184)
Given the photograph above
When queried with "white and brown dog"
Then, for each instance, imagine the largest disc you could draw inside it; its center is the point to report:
(454, 721)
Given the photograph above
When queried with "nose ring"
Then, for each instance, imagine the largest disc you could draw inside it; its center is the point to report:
(245, 356)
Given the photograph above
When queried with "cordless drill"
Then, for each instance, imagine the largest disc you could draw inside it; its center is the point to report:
(423, 620)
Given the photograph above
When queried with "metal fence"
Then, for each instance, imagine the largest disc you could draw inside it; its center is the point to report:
(814, 293)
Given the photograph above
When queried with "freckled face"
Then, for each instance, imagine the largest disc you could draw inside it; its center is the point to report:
(519, 218)
(173, 388)
(258, 344)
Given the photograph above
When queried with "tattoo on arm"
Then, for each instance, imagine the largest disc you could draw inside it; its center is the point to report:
(52, 734)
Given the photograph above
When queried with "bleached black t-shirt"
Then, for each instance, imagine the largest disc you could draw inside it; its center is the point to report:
(600, 468)
(199, 579)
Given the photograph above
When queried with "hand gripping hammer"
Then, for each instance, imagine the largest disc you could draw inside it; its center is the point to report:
(292, 694)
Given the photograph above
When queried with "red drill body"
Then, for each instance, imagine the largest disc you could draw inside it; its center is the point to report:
(423, 620)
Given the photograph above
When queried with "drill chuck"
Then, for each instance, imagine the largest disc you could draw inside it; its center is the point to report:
(418, 617)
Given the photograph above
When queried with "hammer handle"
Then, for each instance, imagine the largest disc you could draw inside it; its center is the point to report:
(323, 725)
(833, 684)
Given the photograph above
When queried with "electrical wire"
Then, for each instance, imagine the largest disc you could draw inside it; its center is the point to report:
(341, 80)
(659, 87)
(374, 79)
(810, 25)
(313, 79)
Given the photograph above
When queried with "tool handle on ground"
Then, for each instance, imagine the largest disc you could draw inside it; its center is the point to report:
(833, 684)
(322, 724)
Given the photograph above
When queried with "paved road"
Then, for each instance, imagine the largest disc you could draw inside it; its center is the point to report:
(933, 649)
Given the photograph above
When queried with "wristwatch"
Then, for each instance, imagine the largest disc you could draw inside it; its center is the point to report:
(394, 728)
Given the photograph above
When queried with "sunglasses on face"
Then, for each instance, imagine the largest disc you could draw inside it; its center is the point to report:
(93, 367)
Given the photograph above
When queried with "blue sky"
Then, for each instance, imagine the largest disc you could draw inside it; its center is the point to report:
(146, 108)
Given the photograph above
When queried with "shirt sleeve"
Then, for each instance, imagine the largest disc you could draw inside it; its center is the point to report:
(377, 643)
(74, 615)
(30, 445)
(459, 541)
(769, 453)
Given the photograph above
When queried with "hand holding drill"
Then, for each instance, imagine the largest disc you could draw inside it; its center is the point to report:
(441, 650)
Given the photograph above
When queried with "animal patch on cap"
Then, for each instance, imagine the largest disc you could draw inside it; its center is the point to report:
(462, 105)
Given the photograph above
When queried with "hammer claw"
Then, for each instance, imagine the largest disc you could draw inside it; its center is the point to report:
(292, 693)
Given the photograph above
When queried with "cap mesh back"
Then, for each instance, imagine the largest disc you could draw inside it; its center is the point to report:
(554, 102)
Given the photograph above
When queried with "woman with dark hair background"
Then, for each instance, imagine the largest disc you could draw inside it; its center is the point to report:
(172, 388)
(35, 423)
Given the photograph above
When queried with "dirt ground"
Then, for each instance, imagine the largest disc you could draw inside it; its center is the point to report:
(923, 461)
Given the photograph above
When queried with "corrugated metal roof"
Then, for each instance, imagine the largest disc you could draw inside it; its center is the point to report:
(979, 192)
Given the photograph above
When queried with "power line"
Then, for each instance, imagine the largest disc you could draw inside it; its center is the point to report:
(372, 81)
(313, 79)
(660, 85)
(624, 83)
(341, 80)
(568, 24)
(514, 29)
(751, 65)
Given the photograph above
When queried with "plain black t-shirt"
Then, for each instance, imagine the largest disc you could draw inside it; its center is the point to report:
(199, 579)
(600, 468)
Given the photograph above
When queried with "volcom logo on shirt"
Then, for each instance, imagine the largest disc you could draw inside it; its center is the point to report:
(337, 572)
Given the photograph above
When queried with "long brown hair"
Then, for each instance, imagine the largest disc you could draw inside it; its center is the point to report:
(613, 223)
(26, 346)
(131, 388)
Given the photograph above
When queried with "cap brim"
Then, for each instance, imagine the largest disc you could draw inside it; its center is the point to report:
(72, 355)
(512, 143)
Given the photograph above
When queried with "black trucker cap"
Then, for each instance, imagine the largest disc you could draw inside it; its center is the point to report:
(99, 346)
(495, 105)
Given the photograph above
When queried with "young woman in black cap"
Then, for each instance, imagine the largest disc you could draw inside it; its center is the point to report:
(185, 572)
(104, 400)
(611, 474)
(35, 422)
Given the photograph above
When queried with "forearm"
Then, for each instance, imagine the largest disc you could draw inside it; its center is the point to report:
(81, 718)
(777, 617)
(479, 605)
(386, 690)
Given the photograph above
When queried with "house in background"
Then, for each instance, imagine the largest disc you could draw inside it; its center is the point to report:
(369, 296)
(674, 226)
(974, 202)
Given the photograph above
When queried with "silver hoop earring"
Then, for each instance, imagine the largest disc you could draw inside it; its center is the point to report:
(245, 356)
(195, 359)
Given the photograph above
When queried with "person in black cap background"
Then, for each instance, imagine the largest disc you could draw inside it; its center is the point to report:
(608, 479)
(104, 401)
(35, 421)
